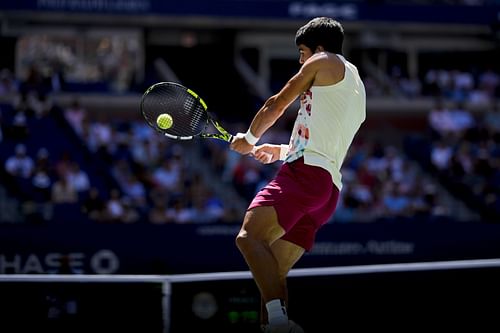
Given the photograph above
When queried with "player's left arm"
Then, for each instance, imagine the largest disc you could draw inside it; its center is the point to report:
(277, 104)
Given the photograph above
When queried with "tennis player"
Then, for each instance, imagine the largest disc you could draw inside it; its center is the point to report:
(282, 220)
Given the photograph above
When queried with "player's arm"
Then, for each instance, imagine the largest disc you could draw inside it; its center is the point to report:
(276, 105)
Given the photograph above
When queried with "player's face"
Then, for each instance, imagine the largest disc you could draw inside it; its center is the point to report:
(305, 53)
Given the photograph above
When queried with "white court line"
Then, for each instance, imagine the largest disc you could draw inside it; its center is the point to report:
(238, 275)
(401, 267)
(343, 270)
(84, 278)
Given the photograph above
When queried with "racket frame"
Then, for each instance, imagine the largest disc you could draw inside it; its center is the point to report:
(222, 135)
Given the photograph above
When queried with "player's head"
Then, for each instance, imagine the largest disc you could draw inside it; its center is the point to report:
(321, 31)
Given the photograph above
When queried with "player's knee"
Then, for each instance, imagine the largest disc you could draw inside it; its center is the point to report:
(245, 241)
(242, 240)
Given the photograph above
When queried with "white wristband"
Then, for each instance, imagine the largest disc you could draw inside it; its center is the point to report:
(251, 139)
(284, 151)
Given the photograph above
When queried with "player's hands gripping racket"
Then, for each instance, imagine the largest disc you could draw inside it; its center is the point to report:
(179, 113)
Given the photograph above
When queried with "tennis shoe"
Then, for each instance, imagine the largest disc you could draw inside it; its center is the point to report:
(292, 327)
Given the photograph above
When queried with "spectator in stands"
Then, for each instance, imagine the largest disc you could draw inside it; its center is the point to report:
(8, 84)
(207, 207)
(158, 212)
(102, 132)
(18, 130)
(76, 114)
(246, 176)
(20, 164)
(441, 155)
(63, 192)
(34, 83)
(1, 127)
(43, 160)
(130, 212)
(440, 119)
(134, 190)
(461, 86)
(396, 202)
(166, 175)
(93, 205)
(63, 165)
(492, 121)
(42, 105)
(43, 177)
(489, 83)
(462, 120)
(180, 211)
(78, 178)
(114, 209)
(143, 151)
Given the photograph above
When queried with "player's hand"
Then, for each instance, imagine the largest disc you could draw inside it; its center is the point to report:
(267, 153)
(240, 144)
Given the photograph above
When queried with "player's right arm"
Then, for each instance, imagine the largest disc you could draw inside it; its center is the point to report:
(277, 104)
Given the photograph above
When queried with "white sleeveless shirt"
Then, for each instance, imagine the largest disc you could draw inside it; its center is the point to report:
(327, 121)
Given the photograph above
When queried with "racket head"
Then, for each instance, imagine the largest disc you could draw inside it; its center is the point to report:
(187, 109)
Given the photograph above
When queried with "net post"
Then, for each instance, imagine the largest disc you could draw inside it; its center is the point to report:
(166, 304)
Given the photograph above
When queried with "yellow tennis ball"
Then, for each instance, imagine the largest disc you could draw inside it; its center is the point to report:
(164, 121)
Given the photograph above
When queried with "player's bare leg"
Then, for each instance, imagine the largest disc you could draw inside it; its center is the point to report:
(259, 232)
(260, 229)
(287, 254)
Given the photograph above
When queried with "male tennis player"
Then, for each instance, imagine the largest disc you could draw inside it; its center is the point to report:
(282, 220)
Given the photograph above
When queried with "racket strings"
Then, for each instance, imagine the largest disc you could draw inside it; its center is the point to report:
(188, 114)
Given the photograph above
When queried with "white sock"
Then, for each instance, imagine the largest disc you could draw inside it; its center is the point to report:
(276, 313)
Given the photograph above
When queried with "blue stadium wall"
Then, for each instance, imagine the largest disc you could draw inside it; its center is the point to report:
(90, 248)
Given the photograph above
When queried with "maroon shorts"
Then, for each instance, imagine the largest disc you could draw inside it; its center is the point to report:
(304, 198)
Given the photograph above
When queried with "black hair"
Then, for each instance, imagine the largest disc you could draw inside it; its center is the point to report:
(323, 31)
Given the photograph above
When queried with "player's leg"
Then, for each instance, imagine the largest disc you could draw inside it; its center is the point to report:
(269, 259)
(259, 231)
(289, 199)
(287, 254)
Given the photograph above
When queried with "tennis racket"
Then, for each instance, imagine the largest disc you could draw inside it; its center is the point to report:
(188, 113)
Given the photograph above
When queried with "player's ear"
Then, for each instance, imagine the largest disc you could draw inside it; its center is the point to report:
(319, 48)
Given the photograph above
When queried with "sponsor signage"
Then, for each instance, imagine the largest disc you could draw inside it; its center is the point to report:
(83, 248)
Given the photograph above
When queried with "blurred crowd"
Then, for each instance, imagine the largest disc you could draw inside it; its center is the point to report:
(465, 152)
(66, 160)
(60, 160)
(441, 2)
(474, 87)
(108, 62)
